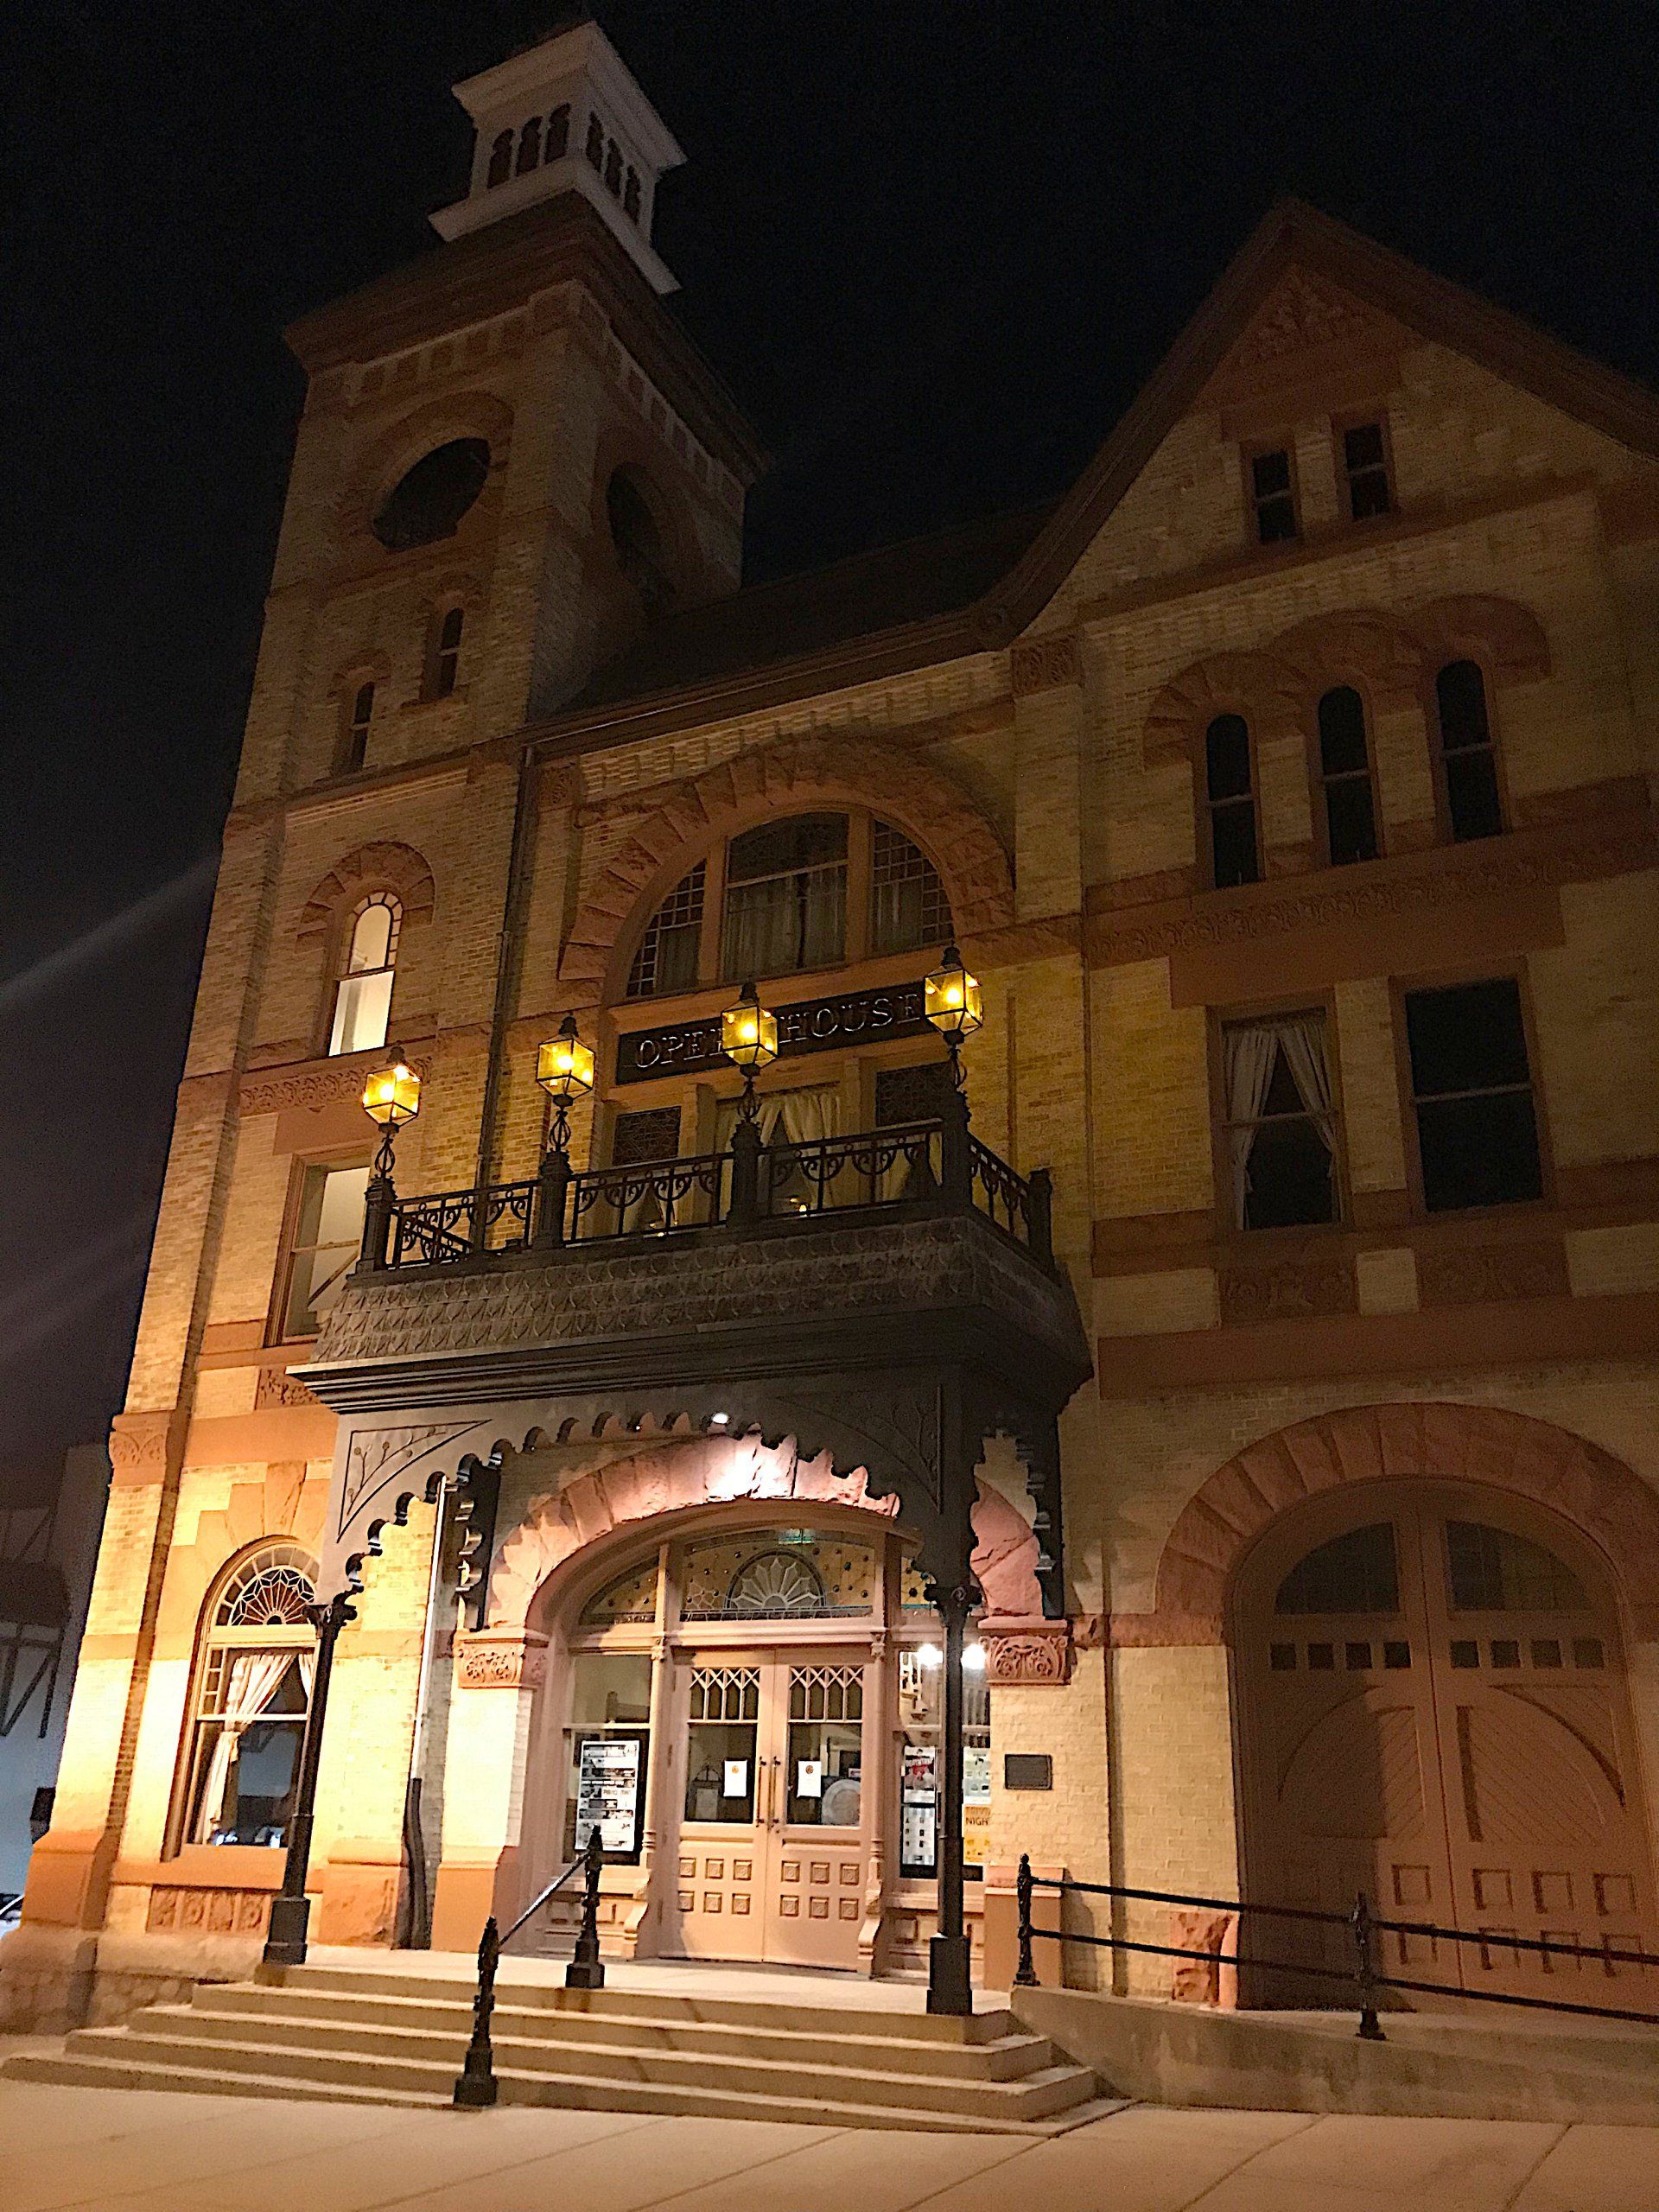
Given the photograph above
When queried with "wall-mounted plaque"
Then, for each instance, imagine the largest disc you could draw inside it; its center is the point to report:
(1027, 1771)
(808, 1026)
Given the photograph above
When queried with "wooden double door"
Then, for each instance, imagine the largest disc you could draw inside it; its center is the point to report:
(1434, 1709)
(773, 1847)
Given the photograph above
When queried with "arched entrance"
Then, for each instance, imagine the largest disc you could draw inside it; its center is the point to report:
(748, 1701)
(1432, 1708)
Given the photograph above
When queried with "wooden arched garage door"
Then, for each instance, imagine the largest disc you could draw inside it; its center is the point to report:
(1432, 1708)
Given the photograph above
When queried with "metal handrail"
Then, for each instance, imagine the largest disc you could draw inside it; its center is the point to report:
(1364, 1928)
(476, 2085)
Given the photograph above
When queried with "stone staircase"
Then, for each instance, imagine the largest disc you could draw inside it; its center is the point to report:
(355, 2035)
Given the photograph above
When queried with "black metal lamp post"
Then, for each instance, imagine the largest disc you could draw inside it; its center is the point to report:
(290, 1908)
(748, 1037)
(949, 1986)
(390, 1097)
(565, 1069)
(955, 1004)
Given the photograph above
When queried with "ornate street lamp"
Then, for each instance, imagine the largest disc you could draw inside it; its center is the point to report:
(748, 1037)
(955, 1005)
(290, 1908)
(565, 1069)
(391, 1096)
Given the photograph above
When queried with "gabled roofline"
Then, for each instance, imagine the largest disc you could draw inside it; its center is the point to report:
(1292, 232)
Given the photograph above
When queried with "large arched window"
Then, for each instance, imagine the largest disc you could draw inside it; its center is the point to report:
(776, 900)
(363, 986)
(429, 500)
(1468, 759)
(253, 1677)
(1344, 773)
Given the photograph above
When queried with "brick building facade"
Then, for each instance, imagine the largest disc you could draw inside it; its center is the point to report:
(1288, 787)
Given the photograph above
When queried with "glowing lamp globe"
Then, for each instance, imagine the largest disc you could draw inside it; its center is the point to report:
(953, 1001)
(392, 1095)
(748, 1034)
(564, 1065)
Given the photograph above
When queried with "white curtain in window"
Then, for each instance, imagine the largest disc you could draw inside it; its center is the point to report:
(1303, 1037)
(1251, 1050)
(802, 1116)
(254, 1678)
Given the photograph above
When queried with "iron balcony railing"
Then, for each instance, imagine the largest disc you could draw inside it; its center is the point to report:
(936, 1166)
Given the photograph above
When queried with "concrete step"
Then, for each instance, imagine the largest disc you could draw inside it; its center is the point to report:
(819, 2045)
(750, 2011)
(144, 2054)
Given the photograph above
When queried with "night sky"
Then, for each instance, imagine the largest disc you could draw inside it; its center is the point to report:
(934, 249)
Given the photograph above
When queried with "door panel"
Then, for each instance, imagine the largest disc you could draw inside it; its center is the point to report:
(721, 1889)
(1434, 1710)
(819, 1853)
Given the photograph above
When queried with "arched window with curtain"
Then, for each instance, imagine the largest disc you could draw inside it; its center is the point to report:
(1233, 854)
(908, 908)
(1468, 759)
(1345, 771)
(786, 897)
(252, 1689)
(362, 1008)
(443, 653)
(667, 958)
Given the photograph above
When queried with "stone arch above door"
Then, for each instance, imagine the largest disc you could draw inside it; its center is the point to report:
(800, 772)
(1485, 1444)
(727, 1470)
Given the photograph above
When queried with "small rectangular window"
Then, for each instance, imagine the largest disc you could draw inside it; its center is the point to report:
(1273, 496)
(328, 1234)
(653, 1133)
(917, 1093)
(1281, 1128)
(1365, 463)
(1472, 1090)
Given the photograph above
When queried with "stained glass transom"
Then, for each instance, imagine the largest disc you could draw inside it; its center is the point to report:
(773, 1575)
(631, 1597)
(271, 1589)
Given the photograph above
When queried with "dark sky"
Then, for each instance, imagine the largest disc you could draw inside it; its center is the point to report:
(934, 246)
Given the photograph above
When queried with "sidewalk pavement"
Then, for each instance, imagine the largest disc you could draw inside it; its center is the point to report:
(153, 2151)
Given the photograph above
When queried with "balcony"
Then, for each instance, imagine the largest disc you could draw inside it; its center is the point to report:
(890, 1298)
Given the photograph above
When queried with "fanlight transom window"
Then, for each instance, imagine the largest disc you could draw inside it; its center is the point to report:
(778, 899)
(253, 1689)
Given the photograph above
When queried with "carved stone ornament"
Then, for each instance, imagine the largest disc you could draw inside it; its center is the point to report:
(319, 1083)
(492, 1662)
(1296, 1287)
(1472, 1274)
(1035, 1655)
(194, 1912)
(1043, 664)
(277, 1387)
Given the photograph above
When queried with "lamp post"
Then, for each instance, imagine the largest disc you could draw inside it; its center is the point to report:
(955, 1005)
(391, 1096)
(290, 1908)
(748, 1037)
(565, 1069)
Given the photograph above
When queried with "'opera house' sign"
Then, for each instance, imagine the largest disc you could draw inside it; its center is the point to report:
(813, 1025)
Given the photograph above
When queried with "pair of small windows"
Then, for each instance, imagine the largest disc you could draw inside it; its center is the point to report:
(438, 678)
(1367, 491)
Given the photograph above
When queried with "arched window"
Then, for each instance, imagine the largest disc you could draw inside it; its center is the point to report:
(630, 195)
(1468, 761)
(1345, 778)
(427, 501)
(530, 147)
(595, 148)
(1233, 855)
(443, 653)
(613, 170)
(667, 958)
(637, 540)
(908, 908)
(500, 160)
(557, 140)
(253, 1689)
(354, 734)
(363, 988)
(786, 897)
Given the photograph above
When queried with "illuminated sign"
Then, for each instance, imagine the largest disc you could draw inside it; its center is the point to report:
(812, 1026)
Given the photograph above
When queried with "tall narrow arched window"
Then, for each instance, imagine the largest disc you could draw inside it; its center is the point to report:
(1468, 760)
(500, 167)
(637, 539)
(363, 986)
(253, 1681)
(1233, 854)
(530, 147)
(354, 732)
(556, 139)
(667, 958)
(1344, 766)
(908, 908)
(443, 653)
(630, 195)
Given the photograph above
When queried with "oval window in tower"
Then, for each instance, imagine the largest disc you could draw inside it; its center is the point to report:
(429, 500)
